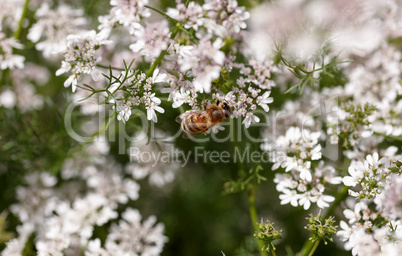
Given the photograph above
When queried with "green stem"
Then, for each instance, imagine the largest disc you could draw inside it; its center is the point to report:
(308, 245)
(163, 53)
(17, 33)
(254, 218)
(161, 13)
(314, 248)
(107, 67)
(273, 251)
(388, 136)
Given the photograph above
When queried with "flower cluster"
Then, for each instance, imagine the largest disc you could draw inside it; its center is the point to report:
(10, 13)
(53, 27)
(131, 236)
(252, 90)
(217, 16)
(367, 232)
(377, 80)
(321, 228)
(151, 40)
(63, 217)
(351, 124)
(371, 174)
(373, 222)
(268, 233)
(7, 58)
(303, 182)
(81, 58)
(204, 62)
(181, 91)
(389, 201)
(136, 89)
(126, 13)
(156, 164)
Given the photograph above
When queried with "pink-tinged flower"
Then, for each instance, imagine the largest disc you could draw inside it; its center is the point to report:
(190, 15)
(151, 40)
(128, 13)
(205, 63)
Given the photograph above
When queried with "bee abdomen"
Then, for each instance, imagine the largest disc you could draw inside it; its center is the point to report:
(194, 124)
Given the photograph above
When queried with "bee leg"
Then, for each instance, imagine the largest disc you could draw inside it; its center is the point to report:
(204, 105)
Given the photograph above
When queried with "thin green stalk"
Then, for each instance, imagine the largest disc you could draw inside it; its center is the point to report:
(161, 13)
(388, 136)
(314, 247)
(107, 67)
(308, 246)
(163, 53)
(254, 218)
(17, 32)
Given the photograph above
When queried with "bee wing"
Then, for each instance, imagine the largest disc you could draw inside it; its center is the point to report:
(180, 117)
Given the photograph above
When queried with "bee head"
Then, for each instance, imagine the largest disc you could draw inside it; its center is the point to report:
(226, 107)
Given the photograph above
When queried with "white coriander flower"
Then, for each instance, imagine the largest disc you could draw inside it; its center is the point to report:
(123, 112)
(323, 200)
(7, 58)
(80, 57)
(205, 63)
(289, 196)
(306, 199)
(127, 13)
(354, 178)
(131, 237)
(94, 248)
(250, 118)
(8, 99)
(157, 77)
(151, 40)
(264, 100)
(151, 114)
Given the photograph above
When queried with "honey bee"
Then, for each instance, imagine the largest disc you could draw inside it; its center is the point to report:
(196, 122)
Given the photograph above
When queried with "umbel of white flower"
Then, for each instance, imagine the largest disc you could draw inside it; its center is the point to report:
(80, 57)
(301, 184)
(137, 97)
